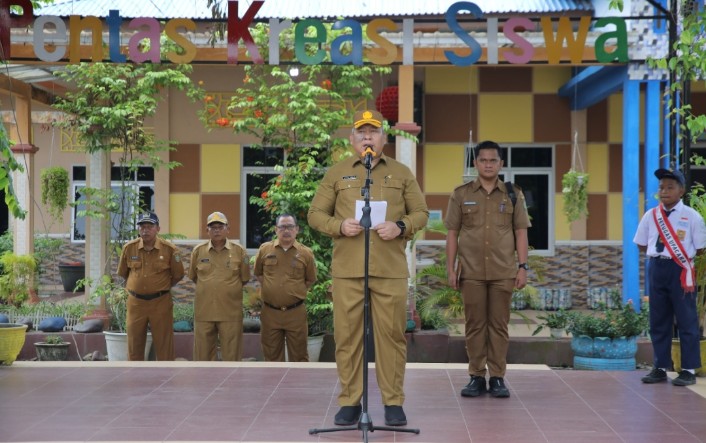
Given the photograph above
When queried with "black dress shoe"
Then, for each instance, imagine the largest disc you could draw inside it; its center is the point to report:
(656, 375)
(475, 387)
(497, 388)
(347, 415)
(394, 416)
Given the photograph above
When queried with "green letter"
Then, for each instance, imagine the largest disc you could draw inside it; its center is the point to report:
(620, 53)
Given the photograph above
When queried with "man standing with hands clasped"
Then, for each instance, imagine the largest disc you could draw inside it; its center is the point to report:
(150, 267)
(333, 212)
(486, 228)
(671, 235)
(286, 270)
(220, 268)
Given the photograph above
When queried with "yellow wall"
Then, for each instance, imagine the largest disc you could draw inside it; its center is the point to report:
(443, 167)
(450, 80)
(597, 165)
(505, 117)
(548, 80)
(220, 168)
(184, 210)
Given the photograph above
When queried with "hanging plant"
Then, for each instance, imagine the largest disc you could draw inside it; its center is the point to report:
(55, 190)
(575, 189)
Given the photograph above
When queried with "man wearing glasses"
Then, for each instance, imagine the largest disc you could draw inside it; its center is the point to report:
(286, 270)
(220, 268)
(333, 212)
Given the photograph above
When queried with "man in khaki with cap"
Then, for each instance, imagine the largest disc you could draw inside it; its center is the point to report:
(332, 212)
(220, 268)
(150, 267)
(286, 270)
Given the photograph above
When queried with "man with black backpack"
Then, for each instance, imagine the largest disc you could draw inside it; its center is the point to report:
(487, 225)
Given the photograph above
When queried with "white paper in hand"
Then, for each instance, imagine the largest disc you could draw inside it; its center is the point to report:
(378, 210)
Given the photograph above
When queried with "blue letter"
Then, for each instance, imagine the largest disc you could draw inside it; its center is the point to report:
(476, 50)
(114, 22)
(356, 41)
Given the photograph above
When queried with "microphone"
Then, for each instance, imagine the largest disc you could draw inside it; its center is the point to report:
(368, 154)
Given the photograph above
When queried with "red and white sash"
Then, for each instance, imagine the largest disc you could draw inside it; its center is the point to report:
(675, 248)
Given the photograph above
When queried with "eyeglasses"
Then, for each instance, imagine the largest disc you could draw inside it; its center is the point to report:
(287, 227)
(216, 227)
(360, 134)
(488, 161)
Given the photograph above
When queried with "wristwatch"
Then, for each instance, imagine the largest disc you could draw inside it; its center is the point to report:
(524, 266)
(400, 224)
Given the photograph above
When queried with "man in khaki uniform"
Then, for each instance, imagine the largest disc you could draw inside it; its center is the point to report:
(333, 213)
(150, 267)
(485, 229)
(220, 268)
(286, 270)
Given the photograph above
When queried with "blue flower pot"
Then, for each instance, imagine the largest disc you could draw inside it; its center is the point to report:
(603, 353)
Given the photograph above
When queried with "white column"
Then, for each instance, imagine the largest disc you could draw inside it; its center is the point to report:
(23, 230)
(97, 229)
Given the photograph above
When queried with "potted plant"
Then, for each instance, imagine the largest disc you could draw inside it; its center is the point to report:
(555, 321)
(575, 192)
(607, 339)
(116, 302)
(71, 273)
(55, 190)
(53, 348)
(12, 338)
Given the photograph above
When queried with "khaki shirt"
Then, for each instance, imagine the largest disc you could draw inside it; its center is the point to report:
(286, 275)
(149, 272)
(219, 278)
(485, 224)
(335, 200)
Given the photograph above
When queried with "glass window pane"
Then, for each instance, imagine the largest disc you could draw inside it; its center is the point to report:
(536, 191)
(146, 173)
(531, 157)
(257, 220)
(78, 173)
(263, 156)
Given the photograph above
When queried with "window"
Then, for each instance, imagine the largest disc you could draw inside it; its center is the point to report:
(530, 168)
(258, 169)
(142, 182)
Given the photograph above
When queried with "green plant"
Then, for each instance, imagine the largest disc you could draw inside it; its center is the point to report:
(612, 323)
(552, 320)
(108, 107)
(115, 297)
(697, 200)
(53, 340)
(8, 165)
(575, 192)
(184, 312)
(18, 279)
(55, 190)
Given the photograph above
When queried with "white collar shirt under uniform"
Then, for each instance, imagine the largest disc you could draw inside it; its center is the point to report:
(688, 225)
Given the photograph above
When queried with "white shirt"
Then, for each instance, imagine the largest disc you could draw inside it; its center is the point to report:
(688, 226)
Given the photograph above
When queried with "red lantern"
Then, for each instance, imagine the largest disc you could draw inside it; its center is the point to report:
(388, 103)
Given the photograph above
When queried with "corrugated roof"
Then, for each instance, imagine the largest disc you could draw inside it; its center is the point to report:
(197, 9)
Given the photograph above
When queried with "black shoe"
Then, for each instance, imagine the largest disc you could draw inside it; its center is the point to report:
(685, 378)
(497, 387)
(655, 376)
(347, 415)
(475, 387)
(394, 416)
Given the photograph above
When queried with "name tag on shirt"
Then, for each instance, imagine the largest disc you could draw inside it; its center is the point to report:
(470, 203)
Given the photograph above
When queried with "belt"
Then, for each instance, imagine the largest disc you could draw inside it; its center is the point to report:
(284, 308)
(661, 257)
(148, 296)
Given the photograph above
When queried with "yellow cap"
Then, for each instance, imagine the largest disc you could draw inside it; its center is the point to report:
(217, 217)
(367, 117)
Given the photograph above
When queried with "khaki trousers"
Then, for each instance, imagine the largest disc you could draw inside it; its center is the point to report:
(207, 334)
(276, 325)
(159, 315)
(486, 305)
(388, 302)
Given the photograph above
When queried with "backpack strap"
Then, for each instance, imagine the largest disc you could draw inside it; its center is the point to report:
(511, 193)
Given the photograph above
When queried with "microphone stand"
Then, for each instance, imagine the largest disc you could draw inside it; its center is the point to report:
(365, 424)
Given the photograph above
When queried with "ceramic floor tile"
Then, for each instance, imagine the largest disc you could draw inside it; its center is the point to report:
(242, 402)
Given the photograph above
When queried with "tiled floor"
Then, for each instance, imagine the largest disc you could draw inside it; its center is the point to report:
(256, 402)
